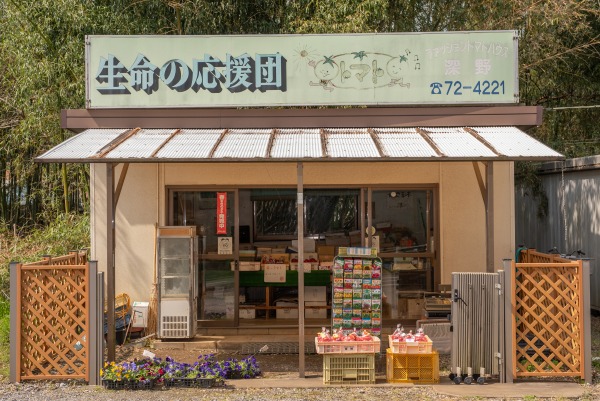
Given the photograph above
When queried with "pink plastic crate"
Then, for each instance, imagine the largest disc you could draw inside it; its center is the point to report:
(348, 347)
(403, 347)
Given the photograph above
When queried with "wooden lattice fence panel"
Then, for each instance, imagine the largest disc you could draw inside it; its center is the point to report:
(53, 321)
(548, 313)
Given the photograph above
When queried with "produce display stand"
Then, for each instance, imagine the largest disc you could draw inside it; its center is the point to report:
(356, 290)
(349, 369)
(408, 347)
(413, 368)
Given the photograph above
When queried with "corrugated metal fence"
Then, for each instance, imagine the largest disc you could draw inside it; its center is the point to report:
(572, 222)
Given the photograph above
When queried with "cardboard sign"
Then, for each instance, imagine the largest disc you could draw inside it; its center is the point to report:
(225, 245)
(275, 273)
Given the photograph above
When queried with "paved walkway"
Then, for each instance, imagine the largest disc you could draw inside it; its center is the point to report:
(556, 390)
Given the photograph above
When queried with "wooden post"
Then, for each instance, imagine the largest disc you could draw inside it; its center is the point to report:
(510, 308)
(489, 218)
(15, 322)
(111, 337)
(300, 205)
(586, 335)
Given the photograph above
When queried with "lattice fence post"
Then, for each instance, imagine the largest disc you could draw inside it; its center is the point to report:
(15, 303)
(96, 323)
(509, 319)
(587, 322)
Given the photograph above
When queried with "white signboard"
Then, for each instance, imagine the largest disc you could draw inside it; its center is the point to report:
(279, 70)
(275, 273)
(225, 245)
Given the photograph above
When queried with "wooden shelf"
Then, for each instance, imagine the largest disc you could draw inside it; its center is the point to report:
(268, 307)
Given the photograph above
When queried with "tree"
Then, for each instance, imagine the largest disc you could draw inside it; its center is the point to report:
(42, 67)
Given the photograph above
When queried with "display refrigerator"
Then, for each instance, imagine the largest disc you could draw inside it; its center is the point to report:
(177, 267)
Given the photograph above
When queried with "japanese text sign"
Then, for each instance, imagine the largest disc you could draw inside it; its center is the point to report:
(221, 213)
(275, 273)
(279, 70)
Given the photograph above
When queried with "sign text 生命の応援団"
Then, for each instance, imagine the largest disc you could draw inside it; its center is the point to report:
(263, 70)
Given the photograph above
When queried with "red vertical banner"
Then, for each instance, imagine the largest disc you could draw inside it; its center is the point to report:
(221, 213)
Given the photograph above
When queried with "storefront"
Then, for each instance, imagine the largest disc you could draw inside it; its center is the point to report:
(430, 187)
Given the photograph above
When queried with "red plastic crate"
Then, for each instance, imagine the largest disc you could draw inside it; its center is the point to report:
(348, 347)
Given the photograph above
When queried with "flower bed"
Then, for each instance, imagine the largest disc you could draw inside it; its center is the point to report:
(206, 372)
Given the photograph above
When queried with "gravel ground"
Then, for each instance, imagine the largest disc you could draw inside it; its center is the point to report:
(274, 367)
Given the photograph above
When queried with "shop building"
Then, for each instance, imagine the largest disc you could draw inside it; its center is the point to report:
(420, 165)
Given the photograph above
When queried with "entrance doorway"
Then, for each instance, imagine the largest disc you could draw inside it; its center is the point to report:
(214, 215)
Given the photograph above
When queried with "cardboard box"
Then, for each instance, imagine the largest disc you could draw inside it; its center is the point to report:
(287, 313)
(326, 250)
(309, 244)
(311, 313)
(275, 258)
(315, 294)
(325, 261)
(140, 314)
(247, 313)
(337, 240)
(246, 266)
(410, 308)
(260, 251)
(308, 266)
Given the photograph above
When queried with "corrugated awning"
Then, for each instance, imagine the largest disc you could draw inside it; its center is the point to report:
(339, 144)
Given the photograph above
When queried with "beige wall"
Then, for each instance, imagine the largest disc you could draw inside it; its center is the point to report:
(142, 204)
(135, 216)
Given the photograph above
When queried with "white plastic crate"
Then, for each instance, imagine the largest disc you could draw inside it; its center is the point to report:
(348, 347)
(349, 369)
(409, 347)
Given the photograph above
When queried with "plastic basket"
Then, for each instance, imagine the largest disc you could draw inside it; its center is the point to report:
(415, 368)
(189, 382)
(115, 384)
(142, 384)
(349, 369)
(348, 347)
(403, 347)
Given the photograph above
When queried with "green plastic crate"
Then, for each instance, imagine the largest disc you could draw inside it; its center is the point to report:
(349, 369)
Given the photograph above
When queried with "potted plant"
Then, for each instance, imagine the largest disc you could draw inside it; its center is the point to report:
(112, 376)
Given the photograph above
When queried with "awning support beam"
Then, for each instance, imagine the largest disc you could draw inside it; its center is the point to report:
(111, 338)
(300, 209)
(121, 182)
(489, 218)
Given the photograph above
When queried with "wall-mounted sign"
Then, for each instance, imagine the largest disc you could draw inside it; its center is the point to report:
(224, 245)
(278, 70)
(221, 213)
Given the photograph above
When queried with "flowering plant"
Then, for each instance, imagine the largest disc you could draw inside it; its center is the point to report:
(247, 368)
(206, 367)
(143, 371)
(112, 371)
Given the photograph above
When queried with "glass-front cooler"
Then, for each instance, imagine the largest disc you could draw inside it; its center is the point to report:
(177, 264)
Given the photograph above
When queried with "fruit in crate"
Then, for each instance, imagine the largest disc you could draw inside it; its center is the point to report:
(399, 334)
(420, 336)
(351, 337)
(366, 336)
(269, 260)
(324, 335)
